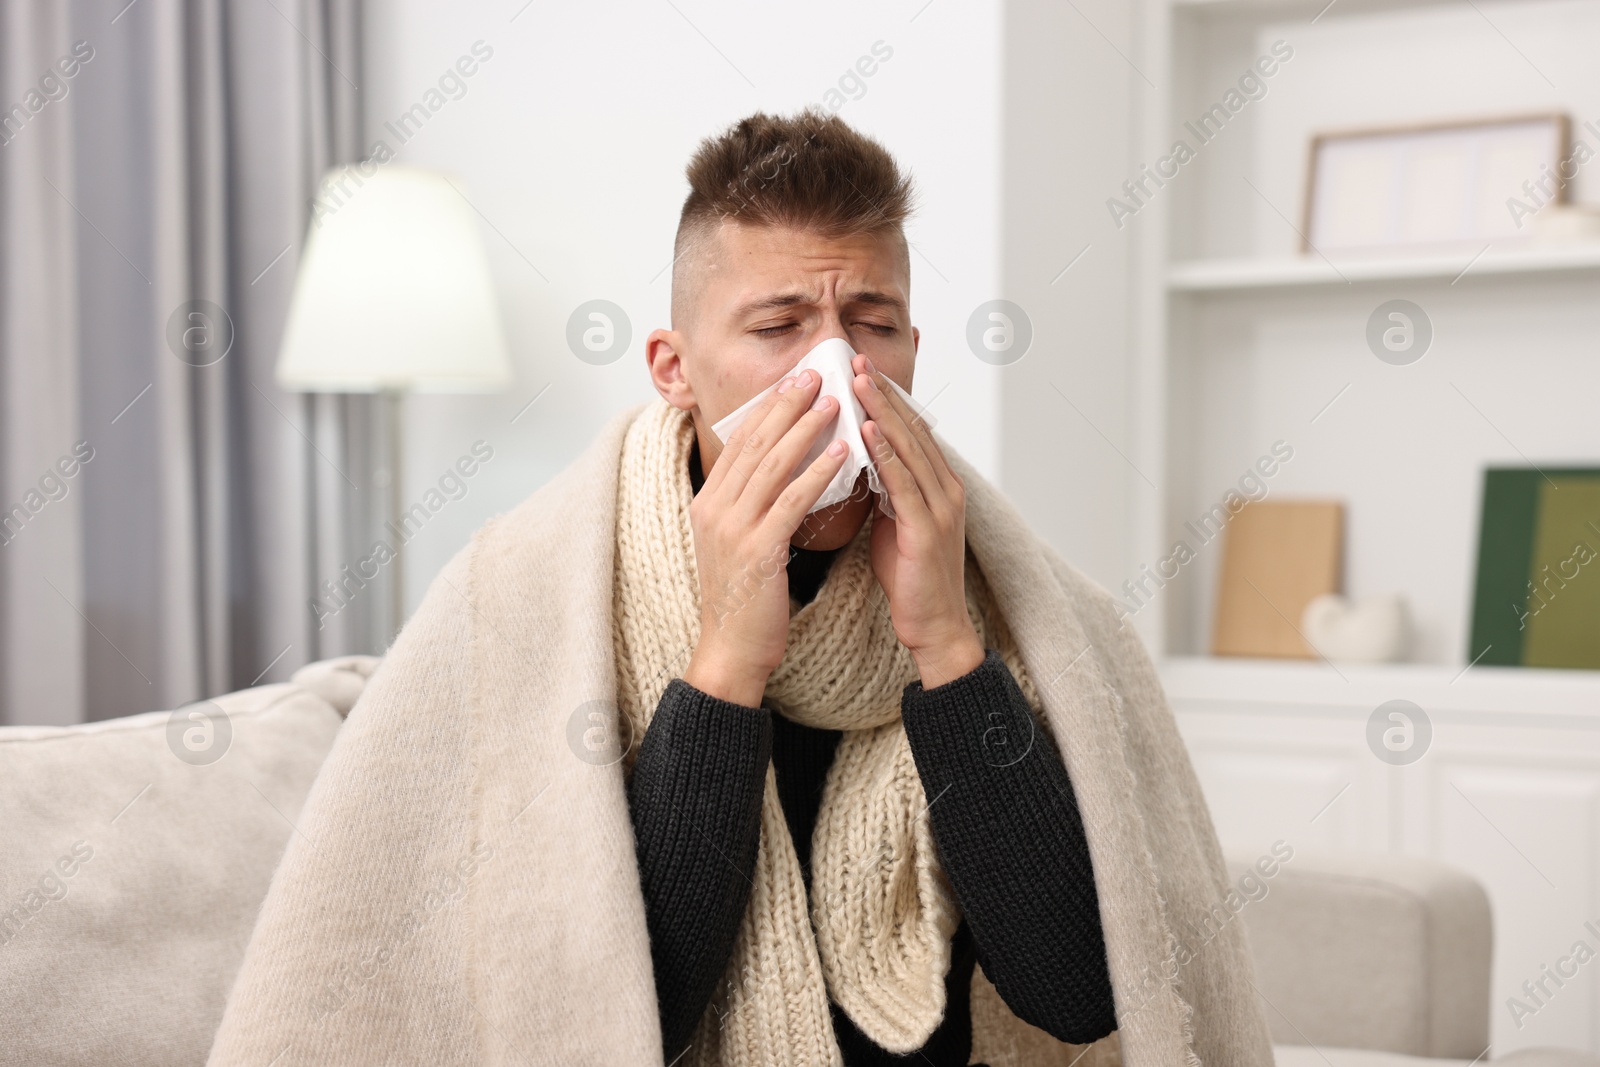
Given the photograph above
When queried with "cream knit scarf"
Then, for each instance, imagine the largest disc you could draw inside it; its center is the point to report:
(882, 908)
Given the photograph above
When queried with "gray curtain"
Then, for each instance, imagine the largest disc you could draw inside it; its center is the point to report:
(154, 217)
(40, 508)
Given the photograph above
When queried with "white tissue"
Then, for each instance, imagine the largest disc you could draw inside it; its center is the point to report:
(831, 359)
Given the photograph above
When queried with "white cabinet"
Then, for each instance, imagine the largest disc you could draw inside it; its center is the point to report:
(1508, 789)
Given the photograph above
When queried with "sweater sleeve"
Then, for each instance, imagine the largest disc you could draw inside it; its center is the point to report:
(695, 801)
(1010, 838)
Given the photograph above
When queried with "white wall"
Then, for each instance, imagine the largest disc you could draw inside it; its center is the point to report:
(571, 141)
(1068, 442)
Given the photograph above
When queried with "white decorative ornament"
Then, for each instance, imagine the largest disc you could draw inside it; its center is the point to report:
(1375, 630)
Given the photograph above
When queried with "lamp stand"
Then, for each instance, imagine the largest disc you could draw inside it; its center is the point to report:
(396, 461)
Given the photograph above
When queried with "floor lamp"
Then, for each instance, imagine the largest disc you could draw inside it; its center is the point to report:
(393, 296)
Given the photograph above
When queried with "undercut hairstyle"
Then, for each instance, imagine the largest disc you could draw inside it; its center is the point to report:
(811, 171)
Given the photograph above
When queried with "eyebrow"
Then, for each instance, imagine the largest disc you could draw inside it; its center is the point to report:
(871, 297)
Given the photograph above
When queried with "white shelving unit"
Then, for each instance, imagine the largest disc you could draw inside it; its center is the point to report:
(1241, 341)
(1234, 275)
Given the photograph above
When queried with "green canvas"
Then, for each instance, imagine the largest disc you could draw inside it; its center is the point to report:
(1564, 602)
(1537, 600)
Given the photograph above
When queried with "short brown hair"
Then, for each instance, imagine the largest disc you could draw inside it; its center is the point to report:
(810, 171)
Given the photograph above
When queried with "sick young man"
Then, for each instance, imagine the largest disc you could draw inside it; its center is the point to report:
(675, 766)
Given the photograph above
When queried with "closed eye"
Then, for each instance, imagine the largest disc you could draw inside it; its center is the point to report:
(774, 331)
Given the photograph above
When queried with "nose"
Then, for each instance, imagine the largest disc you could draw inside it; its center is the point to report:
(832, 326)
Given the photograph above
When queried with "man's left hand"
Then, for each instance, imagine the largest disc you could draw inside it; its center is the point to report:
(918, 557)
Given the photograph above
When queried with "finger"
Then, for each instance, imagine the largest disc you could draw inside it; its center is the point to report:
(875, 398)
(759, 434)
(762, 488)
(904, 492)
(794, 503)
(921, 432)
(735, 442)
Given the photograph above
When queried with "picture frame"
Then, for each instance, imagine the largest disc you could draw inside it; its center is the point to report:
(1432, 185)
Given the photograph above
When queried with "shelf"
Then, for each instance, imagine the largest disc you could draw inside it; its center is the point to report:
(1276, 10)
(1239, 275)
(1498, 690)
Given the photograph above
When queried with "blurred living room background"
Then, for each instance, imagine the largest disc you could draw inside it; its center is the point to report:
(1280, 319)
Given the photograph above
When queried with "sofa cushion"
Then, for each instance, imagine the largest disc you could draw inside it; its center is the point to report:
(339, 681)
(1306, 1056)
(134, 856)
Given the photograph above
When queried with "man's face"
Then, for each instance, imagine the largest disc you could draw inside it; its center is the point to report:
(760, 299)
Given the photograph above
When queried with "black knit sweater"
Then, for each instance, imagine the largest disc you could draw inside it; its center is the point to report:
(1003, 816)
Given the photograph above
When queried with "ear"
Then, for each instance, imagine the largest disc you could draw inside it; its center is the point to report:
(916, 339)
(663, 352)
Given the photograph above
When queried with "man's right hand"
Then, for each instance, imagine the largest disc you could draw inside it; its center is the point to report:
(742, 519)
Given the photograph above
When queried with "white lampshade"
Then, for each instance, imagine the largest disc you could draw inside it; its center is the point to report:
(393, 291)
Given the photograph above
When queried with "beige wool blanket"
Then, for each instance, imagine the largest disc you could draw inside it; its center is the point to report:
(462, 889)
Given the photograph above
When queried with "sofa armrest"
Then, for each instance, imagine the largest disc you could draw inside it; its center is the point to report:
(1371, 951)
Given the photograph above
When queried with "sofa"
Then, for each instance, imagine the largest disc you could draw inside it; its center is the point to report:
(1373, 960)
(136, 853)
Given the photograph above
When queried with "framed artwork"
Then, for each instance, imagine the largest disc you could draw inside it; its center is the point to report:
(1277, 557)
(1432, 185)
(1537, 602)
